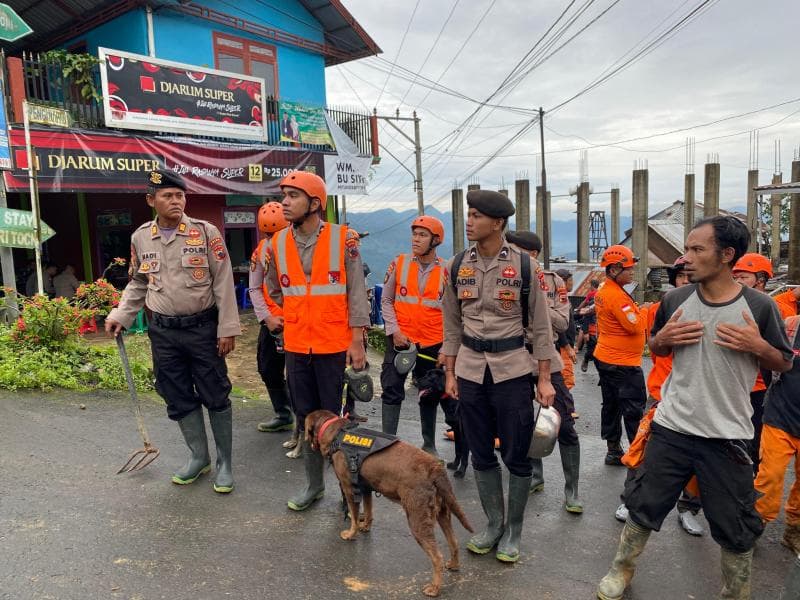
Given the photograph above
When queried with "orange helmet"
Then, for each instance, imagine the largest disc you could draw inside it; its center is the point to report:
(313, 185)
(753, 262)
(618, 255)
(432, 224)
(270, 218)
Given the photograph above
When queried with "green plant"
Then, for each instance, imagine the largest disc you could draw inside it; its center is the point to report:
(376, 338)
(79, 67)
(99, 297)
(47, 323)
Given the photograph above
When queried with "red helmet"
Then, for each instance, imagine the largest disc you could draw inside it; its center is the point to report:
(753, 262)
(270, 218)
(313, 185)
(432, 224)
(618, 255)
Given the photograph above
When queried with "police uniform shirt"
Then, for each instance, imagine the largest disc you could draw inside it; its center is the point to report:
(258, 271)
(389, 288)
(357, 304)
(486, 305)
(183, 275)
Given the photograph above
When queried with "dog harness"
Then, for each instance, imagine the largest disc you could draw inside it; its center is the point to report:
(358, 443)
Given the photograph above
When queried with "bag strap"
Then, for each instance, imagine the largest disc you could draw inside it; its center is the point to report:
(454, 270)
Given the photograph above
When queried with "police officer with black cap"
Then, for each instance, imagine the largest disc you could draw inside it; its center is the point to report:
(181, 271)
(488, 368)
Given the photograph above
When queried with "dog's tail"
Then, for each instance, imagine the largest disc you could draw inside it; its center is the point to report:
(445, 491)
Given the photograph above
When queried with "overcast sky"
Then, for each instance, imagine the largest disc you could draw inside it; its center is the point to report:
(736, 56)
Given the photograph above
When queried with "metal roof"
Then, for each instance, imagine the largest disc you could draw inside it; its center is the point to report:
(57, 21)
(779, 188)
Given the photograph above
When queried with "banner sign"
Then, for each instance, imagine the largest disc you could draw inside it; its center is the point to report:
(5, 148)
(304, 124)
(49, 115)
(77, 161)
(346, 172)
(144, 93)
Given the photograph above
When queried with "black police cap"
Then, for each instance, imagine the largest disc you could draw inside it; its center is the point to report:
(492, 204)
(162, 178)
(527, 240)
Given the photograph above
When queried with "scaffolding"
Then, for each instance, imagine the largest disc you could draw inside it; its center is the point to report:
(598, 240)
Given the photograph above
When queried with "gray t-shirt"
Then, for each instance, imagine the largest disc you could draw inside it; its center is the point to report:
(708, 391)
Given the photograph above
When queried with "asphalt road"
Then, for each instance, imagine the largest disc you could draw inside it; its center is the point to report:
(72, 529)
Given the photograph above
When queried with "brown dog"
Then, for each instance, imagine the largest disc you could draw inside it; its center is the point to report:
(402, 473)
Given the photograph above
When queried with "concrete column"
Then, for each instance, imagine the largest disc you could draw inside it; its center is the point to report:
(458, 220)
(711, 190)
(615, 237)
(752, 209)
(473, 186)
(522, 192)
(639, 240)
(583, 223)
(775, 230)
(688, 204)
(794, 228)
(539, 212)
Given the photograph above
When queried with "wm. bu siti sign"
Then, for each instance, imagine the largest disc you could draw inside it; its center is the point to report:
(145, 93)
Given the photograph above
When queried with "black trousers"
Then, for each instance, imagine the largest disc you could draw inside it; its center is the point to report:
(315, 382)
(624, 397)
(726, 486)
(271, 363)
(757, 402)
(565, 405)
(189, 372)
(503, 410)
(393, 383)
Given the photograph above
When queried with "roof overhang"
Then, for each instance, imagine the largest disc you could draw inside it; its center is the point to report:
(778, 188)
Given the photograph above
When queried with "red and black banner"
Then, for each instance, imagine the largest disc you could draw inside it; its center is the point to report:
(78, 161)
(150, 94)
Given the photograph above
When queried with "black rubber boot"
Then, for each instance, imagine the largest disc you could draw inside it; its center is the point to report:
(193, 429)
(315, 480)
(490, 491)
(571, 463)
(537, 480)
(632, 541)
(427, 420)
(390, 417)
(508, 547)
(614, 454)
(461, 460)
(222, 427)
(283, 419)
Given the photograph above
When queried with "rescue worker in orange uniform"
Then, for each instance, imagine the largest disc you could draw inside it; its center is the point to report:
(269, 358)
(754, 270)
(621, 326)
(780, 442)
(566, 340)
(412, 313)
(788, 302)
(316, 275)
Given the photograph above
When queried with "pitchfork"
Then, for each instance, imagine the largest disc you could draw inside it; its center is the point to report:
(139, 459)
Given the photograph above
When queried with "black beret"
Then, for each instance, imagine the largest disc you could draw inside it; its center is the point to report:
(564, 274)
(163, 178)
(527, 240)
(492, 204)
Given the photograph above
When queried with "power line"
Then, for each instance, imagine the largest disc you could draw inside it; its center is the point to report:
(402, 41)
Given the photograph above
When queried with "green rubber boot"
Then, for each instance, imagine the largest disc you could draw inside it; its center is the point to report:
(390, 418)
(631, 543)
(283, 419)
(194, 433)
(508, 547)
(222, 427)
(537, 480)
(736, 569)
(315, 480)
(490, 491)
(571, 463)
(427, 421)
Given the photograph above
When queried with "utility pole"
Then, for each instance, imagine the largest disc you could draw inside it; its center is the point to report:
(545, 204)
(417, 151)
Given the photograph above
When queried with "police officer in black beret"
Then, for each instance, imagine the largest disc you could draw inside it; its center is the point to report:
(488, 369)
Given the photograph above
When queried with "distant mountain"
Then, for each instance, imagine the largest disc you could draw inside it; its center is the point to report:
(390, 235)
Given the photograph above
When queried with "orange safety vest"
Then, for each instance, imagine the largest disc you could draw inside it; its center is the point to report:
(419, 316)
(315, 312)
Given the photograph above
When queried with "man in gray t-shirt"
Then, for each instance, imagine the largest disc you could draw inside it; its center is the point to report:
(720, 333)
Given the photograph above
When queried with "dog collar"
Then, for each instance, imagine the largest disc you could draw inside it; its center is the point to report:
(324, 427)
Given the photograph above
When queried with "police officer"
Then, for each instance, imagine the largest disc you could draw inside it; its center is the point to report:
(566, 340)
(316, 275)
(621, 326)
(269, 358)
(559, 309)
(181, 271)
(488, 369)
(412, 313)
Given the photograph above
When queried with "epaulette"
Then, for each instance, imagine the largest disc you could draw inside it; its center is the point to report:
(146, 225)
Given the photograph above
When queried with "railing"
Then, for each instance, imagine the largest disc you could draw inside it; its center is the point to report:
(44, 82)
